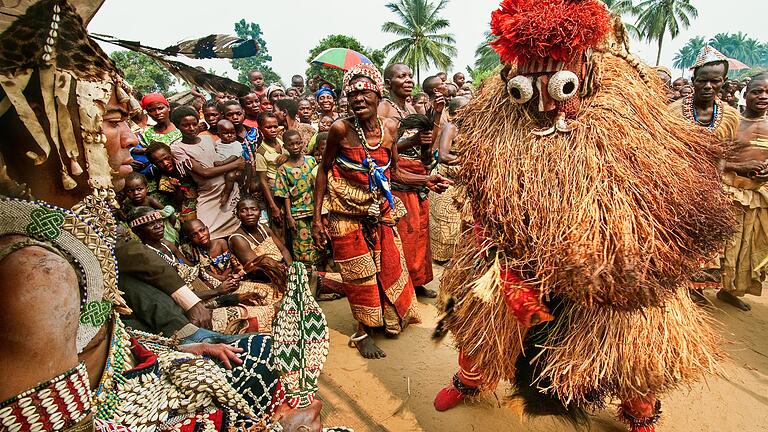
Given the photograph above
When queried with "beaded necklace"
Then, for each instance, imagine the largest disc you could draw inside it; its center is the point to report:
(361, 134)
(400, 112)
(170, 257)
(689, 112)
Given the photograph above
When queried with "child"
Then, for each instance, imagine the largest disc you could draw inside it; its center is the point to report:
(211, 115)
(269, 156)
(172, 188)
(325, 123)
(229, 150)
(250, 104)
(295, 183)
(323, 126)
(320, 146)
(135, 191)
(212, 255)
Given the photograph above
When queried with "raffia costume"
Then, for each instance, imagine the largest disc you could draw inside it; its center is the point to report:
(145, 384)
(587, 200)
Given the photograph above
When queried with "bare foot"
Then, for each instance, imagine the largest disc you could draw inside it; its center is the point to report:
(733, 300)
(367, 347)
(423, 291)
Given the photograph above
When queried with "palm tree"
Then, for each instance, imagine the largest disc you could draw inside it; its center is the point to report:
(752, 52)
(656, 18)
(686, 57)
(422, 42)
(738, 46)
(486, 58)
(621, 7)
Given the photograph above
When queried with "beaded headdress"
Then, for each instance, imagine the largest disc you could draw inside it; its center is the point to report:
(145, 219)
(67, 69)
(709, 55)
(365, 70)
(46, 54)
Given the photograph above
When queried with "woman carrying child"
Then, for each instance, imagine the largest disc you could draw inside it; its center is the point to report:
(197, 154)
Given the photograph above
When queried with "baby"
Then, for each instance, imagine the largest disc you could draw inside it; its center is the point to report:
(228, 149)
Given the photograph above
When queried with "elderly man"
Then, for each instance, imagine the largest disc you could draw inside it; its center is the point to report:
(355, 209)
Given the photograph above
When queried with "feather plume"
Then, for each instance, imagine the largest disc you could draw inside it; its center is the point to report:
(191, 75)
(211, 46)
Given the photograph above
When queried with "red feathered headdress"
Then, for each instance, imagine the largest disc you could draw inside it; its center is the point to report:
(558, 29)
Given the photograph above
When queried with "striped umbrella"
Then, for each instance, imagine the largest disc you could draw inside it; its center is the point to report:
(340, 58)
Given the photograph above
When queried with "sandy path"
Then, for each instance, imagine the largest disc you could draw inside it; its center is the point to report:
(373, 395)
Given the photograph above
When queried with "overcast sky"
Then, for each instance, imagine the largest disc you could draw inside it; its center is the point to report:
(292, 27)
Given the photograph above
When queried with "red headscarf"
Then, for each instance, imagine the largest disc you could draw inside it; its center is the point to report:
(153, 97)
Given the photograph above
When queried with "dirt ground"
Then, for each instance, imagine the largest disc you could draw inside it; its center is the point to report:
(396, 393)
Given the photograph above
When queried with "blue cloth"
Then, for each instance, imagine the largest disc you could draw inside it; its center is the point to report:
(377, 178)
(324, 90)
(251, 143)
(149, 169)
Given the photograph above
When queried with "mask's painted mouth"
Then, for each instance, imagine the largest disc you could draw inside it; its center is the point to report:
(560, 125)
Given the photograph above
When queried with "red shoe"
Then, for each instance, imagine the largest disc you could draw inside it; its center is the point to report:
(448, 398)
(649, 428)
(452, 394)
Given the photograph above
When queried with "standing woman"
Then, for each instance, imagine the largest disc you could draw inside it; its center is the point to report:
(159, 109)
(326, 103)
(196, 154)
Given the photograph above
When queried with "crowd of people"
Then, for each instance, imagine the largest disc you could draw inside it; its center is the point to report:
(172, 235)
(218, 179)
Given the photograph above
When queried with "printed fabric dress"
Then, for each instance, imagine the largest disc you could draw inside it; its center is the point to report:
(255, 317)
(297, 183)
(272, 295)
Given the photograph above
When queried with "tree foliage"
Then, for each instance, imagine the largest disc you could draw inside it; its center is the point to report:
(485, 57)
(421, 42)
(686, 56)
(335, 76)
(258, 62)
(142, 73)
(740, 47)
(734, 45)
(657, 18)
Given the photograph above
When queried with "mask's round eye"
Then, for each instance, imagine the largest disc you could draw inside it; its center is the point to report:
(563, 85)
(520, 89)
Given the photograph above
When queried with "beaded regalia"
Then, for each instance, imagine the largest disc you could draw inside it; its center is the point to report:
(56, 86)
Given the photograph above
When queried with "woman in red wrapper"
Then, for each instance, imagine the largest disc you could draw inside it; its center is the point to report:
(355, 210)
